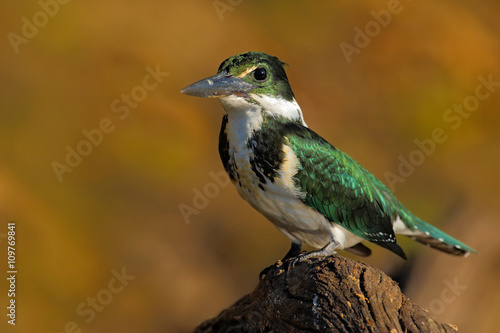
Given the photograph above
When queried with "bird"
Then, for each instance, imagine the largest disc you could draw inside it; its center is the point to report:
(311, 191)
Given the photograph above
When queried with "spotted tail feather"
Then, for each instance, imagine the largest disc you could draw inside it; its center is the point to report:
(439, 240)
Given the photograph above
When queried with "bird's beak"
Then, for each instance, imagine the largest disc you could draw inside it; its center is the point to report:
(219, 85)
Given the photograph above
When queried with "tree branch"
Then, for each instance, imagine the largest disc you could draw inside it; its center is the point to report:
(329, 294)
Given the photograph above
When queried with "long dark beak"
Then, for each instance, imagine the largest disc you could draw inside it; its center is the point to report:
(219, 85)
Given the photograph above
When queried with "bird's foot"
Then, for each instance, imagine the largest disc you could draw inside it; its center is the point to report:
(327, 250)
(304, 256)
(294, 256)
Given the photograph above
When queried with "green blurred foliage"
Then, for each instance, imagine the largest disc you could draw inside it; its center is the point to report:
(119, 207)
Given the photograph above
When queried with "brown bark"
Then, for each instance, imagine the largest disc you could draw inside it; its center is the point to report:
(329, 294)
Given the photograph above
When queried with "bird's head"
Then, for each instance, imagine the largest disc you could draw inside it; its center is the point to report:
(252, 80)
(245, 75)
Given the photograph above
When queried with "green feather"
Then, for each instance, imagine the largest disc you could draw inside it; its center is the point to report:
(346, 193)
(336, 186)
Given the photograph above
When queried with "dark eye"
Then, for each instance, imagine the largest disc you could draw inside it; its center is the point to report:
(260, 74)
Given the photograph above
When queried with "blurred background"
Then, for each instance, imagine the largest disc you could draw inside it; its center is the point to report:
(124, 219)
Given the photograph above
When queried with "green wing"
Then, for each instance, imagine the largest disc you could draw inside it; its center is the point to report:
(343, 191)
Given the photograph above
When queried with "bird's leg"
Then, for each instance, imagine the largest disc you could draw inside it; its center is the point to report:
(325, 251)
(293, 252)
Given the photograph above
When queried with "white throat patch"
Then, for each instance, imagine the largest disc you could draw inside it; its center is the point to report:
(236, 106)
(280, 107)
(244, 118)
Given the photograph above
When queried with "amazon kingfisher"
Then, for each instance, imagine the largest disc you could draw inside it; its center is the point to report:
(310, 190)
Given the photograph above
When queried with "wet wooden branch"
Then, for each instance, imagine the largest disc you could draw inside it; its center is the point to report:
(331, 294)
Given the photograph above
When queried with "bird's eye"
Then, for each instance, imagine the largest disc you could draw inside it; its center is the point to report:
(260, 74)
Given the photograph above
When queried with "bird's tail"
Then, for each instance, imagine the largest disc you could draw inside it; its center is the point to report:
(437, 239)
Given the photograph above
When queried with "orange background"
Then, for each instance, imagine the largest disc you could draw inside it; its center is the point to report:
(118, 210)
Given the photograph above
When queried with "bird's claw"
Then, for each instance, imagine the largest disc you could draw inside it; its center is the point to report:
(304, 256)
